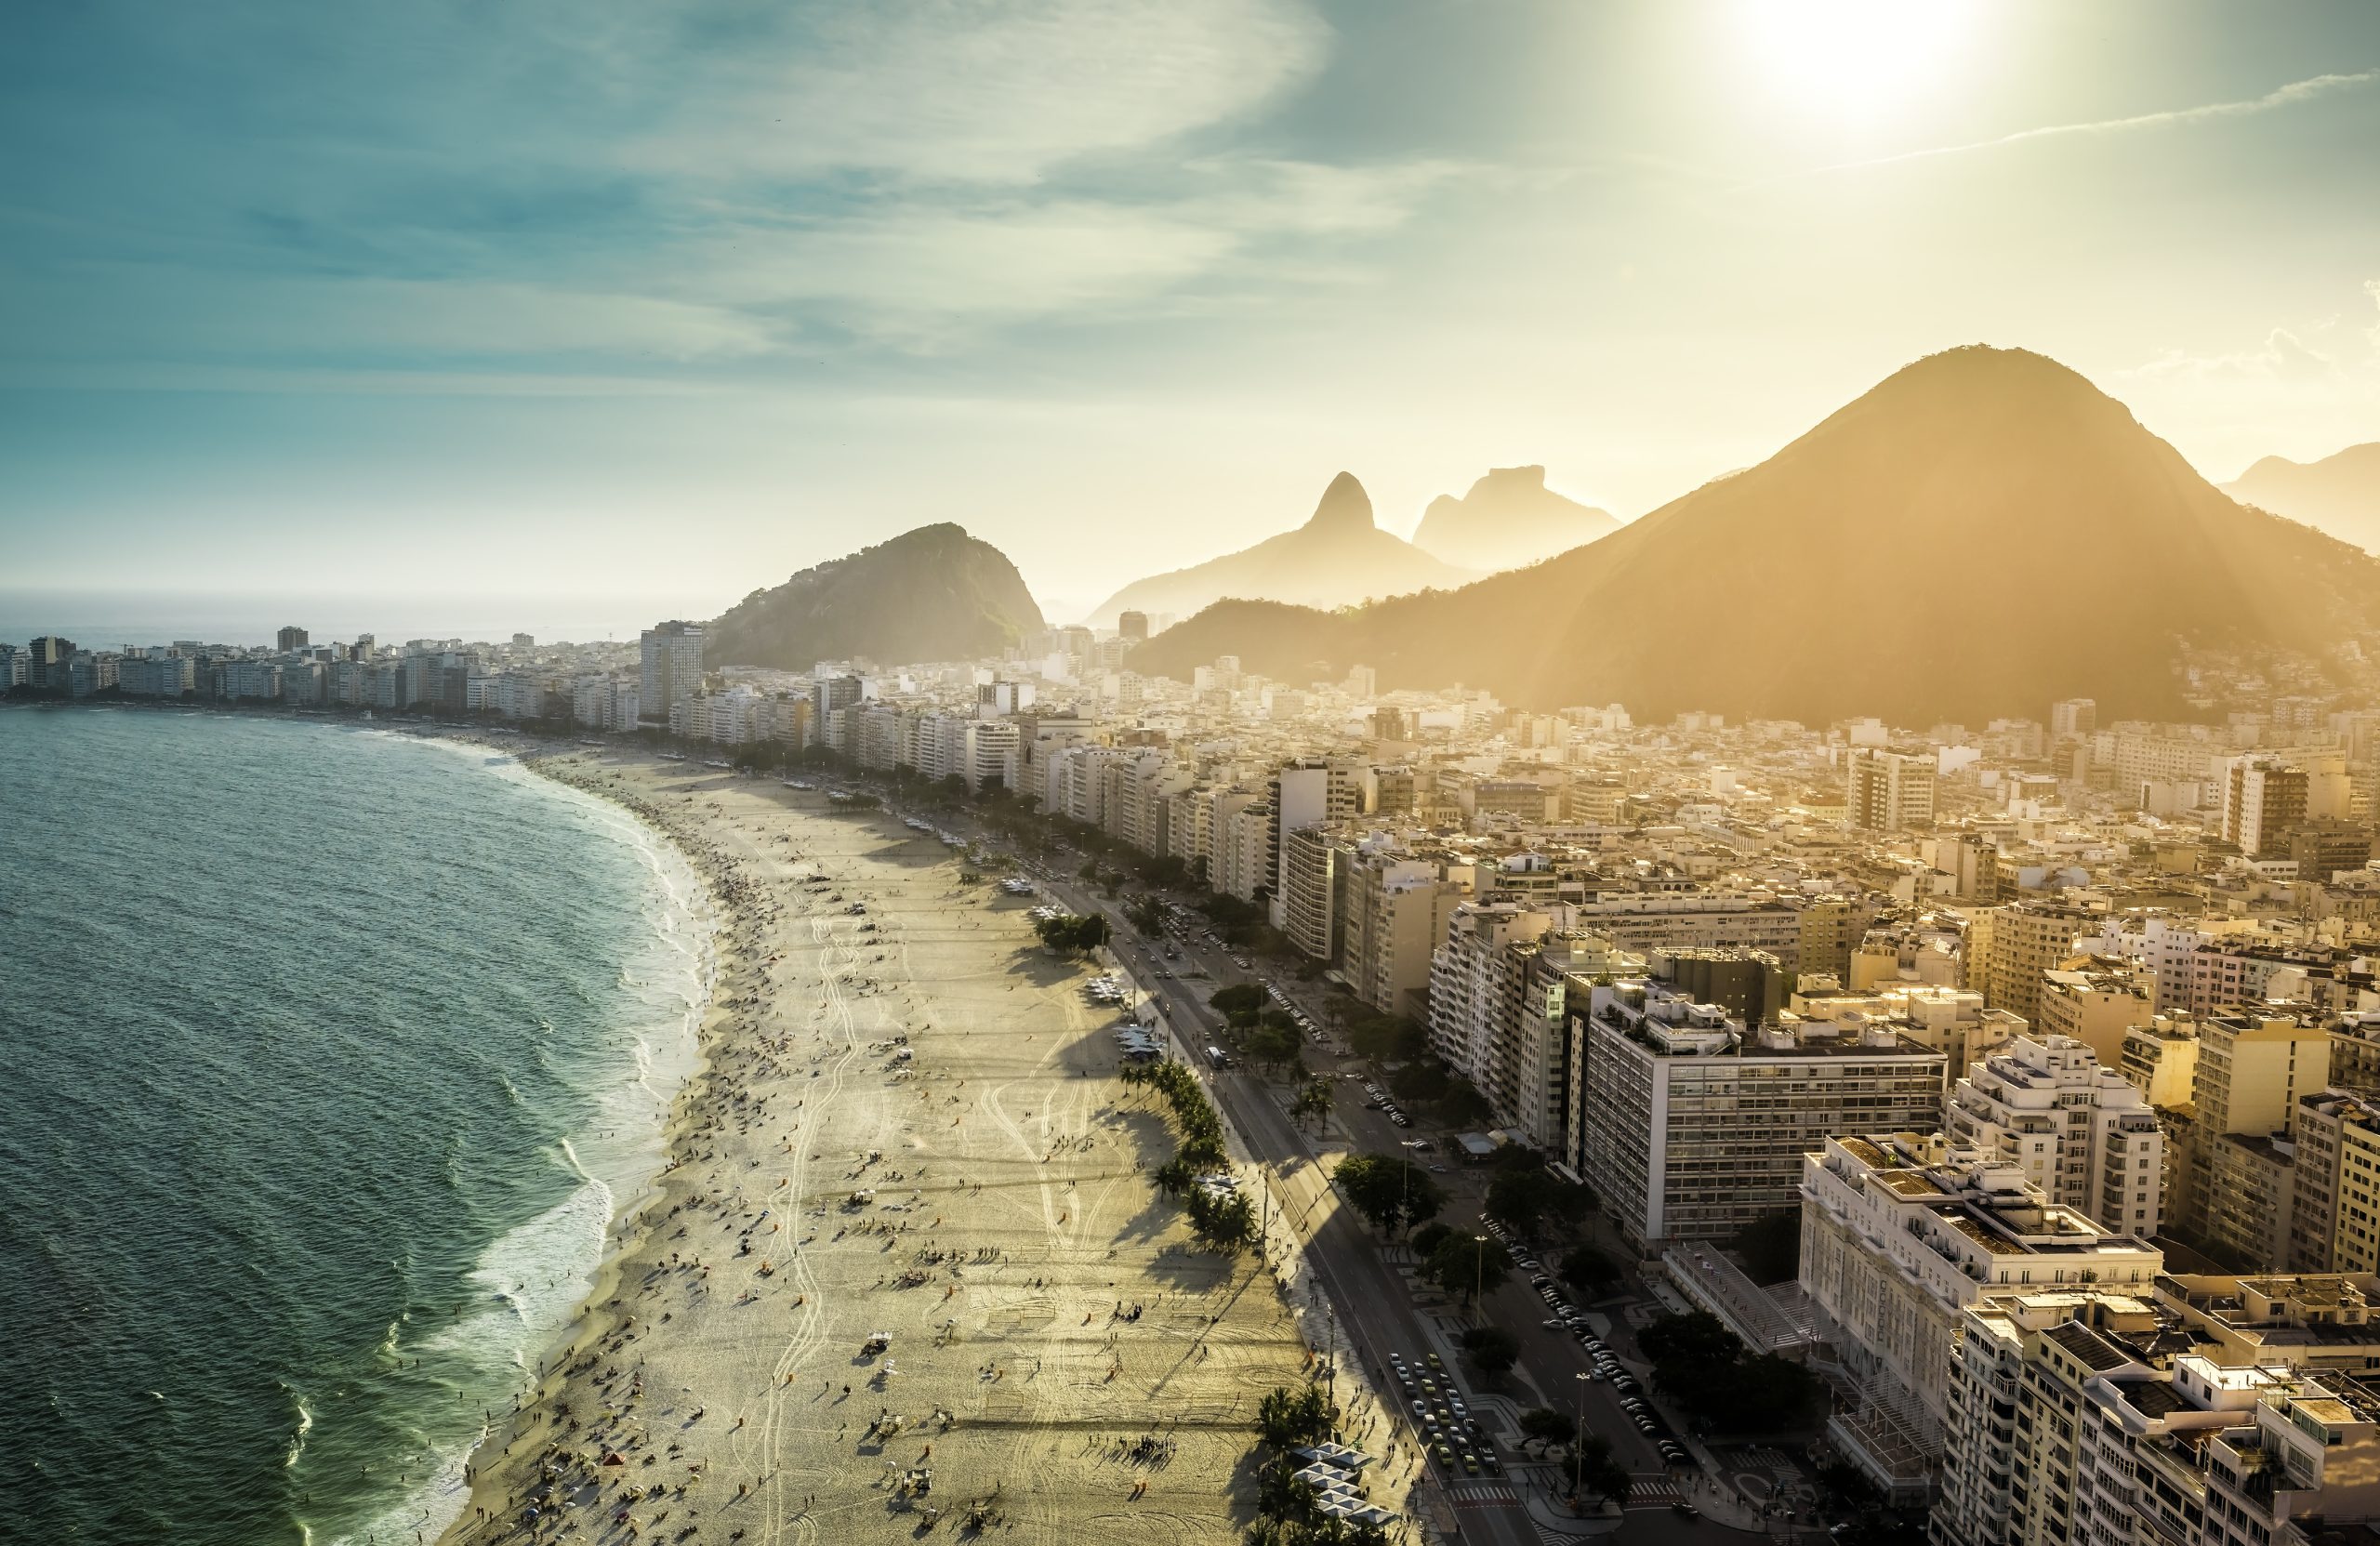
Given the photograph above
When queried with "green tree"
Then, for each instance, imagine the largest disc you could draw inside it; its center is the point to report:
(1528, 1198)
(1464, 1264)
(1426, 1239)
(1589, 1270)
(1313, 1100)
(1597, 1475)
(1239, 998)
(1270, 1045)
(1388, 1190)
(1288, 1418)
(1225, 1219)
(1699, 1363)
(1492, 1349)
(1546, 1425)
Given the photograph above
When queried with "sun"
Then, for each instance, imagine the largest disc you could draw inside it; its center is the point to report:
(1854, 58)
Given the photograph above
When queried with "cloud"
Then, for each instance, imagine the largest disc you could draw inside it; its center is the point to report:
(2280, 96)
(2283, 357)
(914, 265)
(952, 91)
(311, 318)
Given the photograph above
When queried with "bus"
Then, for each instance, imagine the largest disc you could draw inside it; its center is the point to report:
(1219, 1058)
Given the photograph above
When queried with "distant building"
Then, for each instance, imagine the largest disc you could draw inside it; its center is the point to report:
(288, 639)
(1133, 625)
(1888, 791)
(2264, 803)
(672, 669)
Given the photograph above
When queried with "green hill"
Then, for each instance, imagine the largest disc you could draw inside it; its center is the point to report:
(934, 593)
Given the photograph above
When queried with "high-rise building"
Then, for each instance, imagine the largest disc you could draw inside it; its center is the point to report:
(1888, 791)
(2028, 940)
(1692, 1125)
(2264, 803)
(1133, 625)
(1901, 1234)
(288, 639)
(672, 669)
(2046, 1108)
(2072, 717)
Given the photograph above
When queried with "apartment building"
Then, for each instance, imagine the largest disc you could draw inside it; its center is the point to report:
(2028, 940)
(1473, 982)
(669, 668)
(1696, 920)
(1899, 1235)
(2046, 1107)
(1398, 910)
(2084, 1416)
(1888, 791)
(2095, 1001)
(1692, 1126)
(2264, 803)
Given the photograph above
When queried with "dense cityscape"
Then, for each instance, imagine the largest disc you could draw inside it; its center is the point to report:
(2057, 1042)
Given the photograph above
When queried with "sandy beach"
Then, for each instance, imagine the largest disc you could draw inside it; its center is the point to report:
(908, 1123)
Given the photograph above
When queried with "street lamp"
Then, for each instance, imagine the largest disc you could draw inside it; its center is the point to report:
(1578, 1443)
(1478, 1266)
(1405, 1202)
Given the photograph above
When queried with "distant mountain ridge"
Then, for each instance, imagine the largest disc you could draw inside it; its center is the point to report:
(1338, 557)
(934, 593)
(2340, 494)
(1508, 521)
(1978, 534)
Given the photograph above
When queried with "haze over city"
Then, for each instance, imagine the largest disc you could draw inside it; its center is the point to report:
(1118, 285)
(1322, 772)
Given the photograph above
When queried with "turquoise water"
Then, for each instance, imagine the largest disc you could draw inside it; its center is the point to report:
(327, 1053)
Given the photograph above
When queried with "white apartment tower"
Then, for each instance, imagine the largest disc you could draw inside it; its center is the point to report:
(2046, 1108)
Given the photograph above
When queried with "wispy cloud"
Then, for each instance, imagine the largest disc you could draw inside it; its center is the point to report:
(2280, 97)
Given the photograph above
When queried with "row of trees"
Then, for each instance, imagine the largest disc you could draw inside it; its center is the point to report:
(1223, 1218)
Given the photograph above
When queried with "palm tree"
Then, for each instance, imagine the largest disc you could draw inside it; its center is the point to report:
(1313, 1100)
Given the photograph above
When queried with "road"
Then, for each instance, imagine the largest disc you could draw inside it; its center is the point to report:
(1373, 1305)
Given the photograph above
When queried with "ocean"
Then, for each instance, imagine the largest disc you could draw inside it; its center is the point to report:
(328, 1050)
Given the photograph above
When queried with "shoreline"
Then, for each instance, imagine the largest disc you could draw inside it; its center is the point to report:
(905, 1015)
(593, 1320)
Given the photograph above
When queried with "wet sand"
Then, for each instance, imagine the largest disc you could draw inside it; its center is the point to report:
(908, 1122)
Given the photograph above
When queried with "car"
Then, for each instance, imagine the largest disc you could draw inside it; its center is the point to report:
(1645, 1426)
(1470, 1465)
(1437, 1169)
(1540, 1279)
(1549, 1324)
(1680, 1506)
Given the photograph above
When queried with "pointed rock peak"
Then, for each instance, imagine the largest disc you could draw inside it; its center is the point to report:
(1345, 506)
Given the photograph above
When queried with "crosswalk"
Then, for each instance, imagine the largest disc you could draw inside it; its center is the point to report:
(1482, 1495)
(1653, 1489)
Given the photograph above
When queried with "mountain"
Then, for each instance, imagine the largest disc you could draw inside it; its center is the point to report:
(1336, 558)
(1508, 521)
(2339, 494)
(1978, 534)
(934, 593)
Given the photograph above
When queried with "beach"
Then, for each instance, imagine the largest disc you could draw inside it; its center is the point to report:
(906, 1129)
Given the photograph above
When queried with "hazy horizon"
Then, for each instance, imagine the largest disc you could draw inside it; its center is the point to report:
(678, 301)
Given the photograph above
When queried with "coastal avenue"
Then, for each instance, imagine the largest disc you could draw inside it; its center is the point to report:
(1374, 1305)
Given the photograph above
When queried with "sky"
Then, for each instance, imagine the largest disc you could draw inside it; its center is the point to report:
(498, 306)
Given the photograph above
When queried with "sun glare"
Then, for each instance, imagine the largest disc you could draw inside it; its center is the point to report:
(1854, 58)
